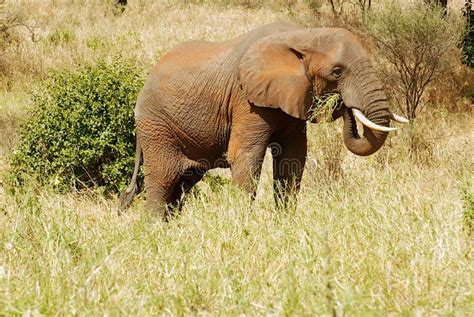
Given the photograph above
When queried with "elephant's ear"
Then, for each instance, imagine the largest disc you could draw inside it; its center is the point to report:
(272, 74)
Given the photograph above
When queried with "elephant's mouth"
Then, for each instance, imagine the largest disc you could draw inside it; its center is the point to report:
(338, 110)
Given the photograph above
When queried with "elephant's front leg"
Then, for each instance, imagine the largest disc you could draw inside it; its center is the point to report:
(245, 154)
(289, 148)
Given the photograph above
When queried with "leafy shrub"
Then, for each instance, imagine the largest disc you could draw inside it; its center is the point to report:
(80, 131)
(216, 182)
(414, 41)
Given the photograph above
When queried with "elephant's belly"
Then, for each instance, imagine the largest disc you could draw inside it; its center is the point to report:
(203, 142)
(210, 157)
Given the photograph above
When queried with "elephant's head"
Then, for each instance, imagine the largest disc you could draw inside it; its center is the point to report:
(286, 69)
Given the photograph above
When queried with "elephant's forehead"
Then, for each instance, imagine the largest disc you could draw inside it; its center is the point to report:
(339, 44)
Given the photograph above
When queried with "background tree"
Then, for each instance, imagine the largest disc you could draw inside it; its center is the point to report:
(415, 44)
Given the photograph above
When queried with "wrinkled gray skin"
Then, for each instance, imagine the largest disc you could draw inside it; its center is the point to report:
(208, 105)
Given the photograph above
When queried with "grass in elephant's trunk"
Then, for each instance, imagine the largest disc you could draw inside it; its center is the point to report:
(323, 106)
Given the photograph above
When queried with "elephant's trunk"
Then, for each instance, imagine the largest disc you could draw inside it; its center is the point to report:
(371, 141)
(365, 94)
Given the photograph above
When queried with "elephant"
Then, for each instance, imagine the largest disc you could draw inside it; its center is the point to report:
(221, 104)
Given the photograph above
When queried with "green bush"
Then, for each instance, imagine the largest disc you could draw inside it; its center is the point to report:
(80, 131)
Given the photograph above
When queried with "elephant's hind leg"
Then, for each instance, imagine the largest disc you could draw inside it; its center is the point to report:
(159, 187)
(167, 178)
(162, 164)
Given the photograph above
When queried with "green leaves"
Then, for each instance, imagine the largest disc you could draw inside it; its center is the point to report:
(80, 131)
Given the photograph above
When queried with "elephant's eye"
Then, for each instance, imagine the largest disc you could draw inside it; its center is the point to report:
(337, 72)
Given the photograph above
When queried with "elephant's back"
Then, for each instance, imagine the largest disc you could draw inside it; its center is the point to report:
(181, 75)
(189, 55)
(243, 42)
(186, 93)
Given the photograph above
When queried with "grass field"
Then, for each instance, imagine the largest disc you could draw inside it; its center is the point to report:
(390, 234)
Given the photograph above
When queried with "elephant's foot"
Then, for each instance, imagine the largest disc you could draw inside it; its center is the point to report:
(157, 210)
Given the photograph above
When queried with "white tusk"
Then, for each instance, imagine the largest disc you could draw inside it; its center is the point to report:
(399, 119)
(369, 124)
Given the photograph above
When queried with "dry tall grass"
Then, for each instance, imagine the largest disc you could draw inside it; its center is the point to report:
(76, 31)
(391, 234)
(68, 32)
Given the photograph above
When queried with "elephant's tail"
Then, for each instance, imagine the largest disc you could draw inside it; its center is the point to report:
(127, 195)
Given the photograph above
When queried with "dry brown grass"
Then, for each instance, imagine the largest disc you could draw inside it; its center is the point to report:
(69, 32)
(73, 32)
(390, 236)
